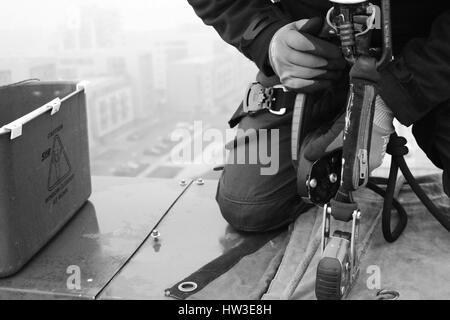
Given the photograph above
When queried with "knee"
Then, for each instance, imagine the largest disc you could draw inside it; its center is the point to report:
(259, 215)
(446, 182)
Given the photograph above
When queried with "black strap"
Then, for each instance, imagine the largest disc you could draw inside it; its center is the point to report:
(222, 264)
(282, 99)
(343, 211)
(237, 116)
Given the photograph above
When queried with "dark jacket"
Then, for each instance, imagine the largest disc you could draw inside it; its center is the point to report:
(414, 84)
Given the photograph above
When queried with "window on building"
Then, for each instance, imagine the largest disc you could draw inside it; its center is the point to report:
(114, 110)
(104, 115)
(124, 103)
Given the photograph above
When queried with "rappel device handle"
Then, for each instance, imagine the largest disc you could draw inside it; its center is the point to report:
(361, 100)
(352, 20)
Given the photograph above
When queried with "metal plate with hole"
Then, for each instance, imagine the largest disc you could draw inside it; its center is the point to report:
(193, 234)
(188, 286)
(387, 294)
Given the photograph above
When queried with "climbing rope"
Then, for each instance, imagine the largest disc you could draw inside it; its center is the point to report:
(397, 149)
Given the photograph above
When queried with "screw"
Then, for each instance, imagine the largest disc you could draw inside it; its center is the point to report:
(200, 182)
(313, 183)
(333, 177)
(167, 293)
(155, 234)
(183, 183)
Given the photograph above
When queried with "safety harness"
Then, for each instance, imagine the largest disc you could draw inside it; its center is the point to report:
(258, 98)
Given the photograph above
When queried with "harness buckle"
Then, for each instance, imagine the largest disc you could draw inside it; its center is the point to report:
(258, 98)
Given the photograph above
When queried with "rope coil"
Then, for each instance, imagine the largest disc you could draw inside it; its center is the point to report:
(397, 149)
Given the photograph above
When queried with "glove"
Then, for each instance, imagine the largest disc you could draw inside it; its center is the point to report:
(383, 127)
(327, 139)
(303, 62)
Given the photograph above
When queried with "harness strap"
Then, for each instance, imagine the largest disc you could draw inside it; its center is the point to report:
(279, 100)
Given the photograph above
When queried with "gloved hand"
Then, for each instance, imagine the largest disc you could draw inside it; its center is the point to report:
(327, 139)
(303, 62)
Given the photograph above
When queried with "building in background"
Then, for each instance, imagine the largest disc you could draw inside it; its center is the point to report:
(209, 84)
(110, 106)
(186, 69)
(165, 53)
(165, 47)
(135, 65)
(22, 68)
(90, 26)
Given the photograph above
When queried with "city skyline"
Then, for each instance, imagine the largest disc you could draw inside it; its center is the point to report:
(151, 65)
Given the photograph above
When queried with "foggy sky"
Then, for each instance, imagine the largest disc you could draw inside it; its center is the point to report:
(136, 14)
(30, 27)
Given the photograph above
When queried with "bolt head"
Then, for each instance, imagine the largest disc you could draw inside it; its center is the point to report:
(333, 177)
(313, 183)
(183, 183)
(155, 234)
(200, 182)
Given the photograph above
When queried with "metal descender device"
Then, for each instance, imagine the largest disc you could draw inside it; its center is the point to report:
(331, 181)
(352, 21)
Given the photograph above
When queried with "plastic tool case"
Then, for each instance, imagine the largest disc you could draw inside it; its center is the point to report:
(44, 165)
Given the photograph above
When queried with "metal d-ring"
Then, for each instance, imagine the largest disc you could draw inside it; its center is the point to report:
(370, 21)
(328, 19)
(187, 286)
(280, 112)
(387, 294)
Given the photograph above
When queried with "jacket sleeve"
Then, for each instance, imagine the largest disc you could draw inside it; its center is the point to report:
(248, 25)
(419, 80)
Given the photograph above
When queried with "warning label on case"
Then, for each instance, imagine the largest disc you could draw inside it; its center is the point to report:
(60, 167)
